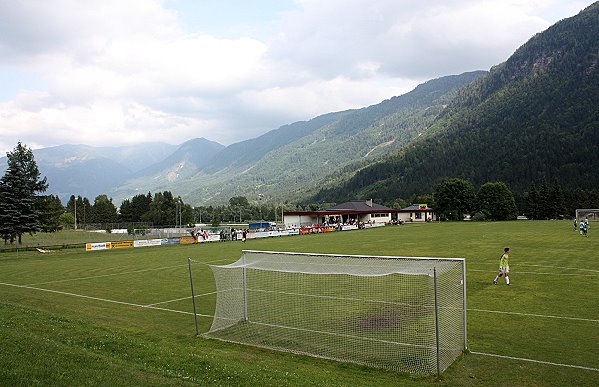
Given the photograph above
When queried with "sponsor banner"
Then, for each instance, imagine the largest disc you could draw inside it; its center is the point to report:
(97, 246)
(171, 241)
(146, 242)
(347, 227)
(259, 234)
(371, 225)
(121, 244)
(213, 238)
(187, 240)
(293, 232)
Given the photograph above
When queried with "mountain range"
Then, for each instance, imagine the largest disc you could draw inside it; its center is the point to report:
(534, 116)
(280, 164)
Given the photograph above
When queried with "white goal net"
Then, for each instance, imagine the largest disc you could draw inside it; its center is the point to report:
(402, 313)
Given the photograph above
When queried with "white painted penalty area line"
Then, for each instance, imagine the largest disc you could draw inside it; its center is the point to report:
(536, 361)
(547, 266)
(560, 267)
(179, 299)
(101, 299)
(533, 315)
(540, 273)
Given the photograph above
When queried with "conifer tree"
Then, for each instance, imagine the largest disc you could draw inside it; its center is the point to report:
(18, 191)
(532, 202)
(50, 210)
(543, 203)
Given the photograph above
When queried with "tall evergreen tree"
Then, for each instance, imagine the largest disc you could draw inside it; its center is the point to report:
(532, 202)
(140, 205)
(8, 211)
(19, 187)
(544, 208)
(556, 200)
(103, 211)
(50, 209)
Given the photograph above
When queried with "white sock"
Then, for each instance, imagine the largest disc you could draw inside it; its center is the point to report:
(507, 280)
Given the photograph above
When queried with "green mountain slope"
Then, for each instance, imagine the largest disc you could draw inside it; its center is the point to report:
(342, 139)
(282, 163)
(534, 116)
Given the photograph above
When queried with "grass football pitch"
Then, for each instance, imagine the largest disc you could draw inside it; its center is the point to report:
(124, 317)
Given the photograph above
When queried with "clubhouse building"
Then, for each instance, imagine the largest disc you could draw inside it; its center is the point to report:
(355, 213)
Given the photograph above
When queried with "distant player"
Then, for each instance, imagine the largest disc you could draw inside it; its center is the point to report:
(582, 224)
(504, 267)
(574, 224)
(585, 229)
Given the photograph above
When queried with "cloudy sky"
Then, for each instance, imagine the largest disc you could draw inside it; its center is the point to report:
(117, 72)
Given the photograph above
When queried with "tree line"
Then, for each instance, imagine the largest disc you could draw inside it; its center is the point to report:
(24, 209)
(455, 197)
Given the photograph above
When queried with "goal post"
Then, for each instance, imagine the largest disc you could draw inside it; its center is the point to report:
(402, 313)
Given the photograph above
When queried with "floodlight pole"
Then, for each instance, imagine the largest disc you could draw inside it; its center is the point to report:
(193, 298)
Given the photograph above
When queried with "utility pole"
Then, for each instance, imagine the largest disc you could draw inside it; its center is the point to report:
(260, 197)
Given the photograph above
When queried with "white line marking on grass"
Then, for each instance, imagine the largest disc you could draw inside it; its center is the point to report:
(179, 299)
(533, 315)
(100, 299)
(536, 361)
(539, 273)
(104, 275)
(549, 266)
(560, 267)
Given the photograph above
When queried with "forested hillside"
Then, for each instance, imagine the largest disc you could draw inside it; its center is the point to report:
(535, 116)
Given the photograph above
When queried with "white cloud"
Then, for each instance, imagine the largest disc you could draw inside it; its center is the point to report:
(127, 70)
(401, 39)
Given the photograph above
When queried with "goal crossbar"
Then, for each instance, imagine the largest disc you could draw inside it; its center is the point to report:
(356, 265)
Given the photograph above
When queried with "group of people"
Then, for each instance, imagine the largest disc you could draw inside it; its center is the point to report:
(583, 227)
(234, 234)
(222, 235)
(201, 233)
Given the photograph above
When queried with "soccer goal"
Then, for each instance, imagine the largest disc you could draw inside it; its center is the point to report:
(587, 213)
(402, 313)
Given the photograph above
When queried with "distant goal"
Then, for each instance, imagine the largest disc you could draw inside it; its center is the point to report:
(591, 214)
(401, 313)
